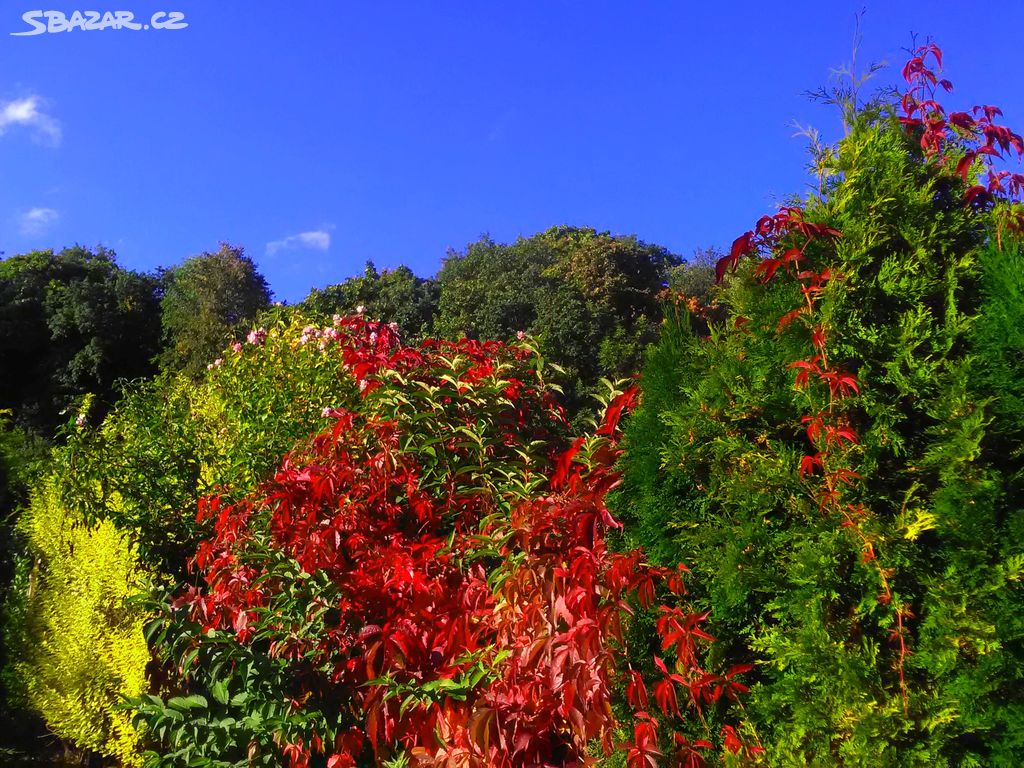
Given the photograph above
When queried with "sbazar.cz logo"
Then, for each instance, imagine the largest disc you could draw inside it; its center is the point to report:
(41, 22)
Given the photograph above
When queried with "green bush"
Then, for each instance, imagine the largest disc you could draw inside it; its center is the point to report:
(206, 299)
(393, 295)
(172, 439)
(883, 609)
(71, 322)
(22, 458)
(589, 296)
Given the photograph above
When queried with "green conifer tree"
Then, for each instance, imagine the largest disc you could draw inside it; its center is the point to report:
(836, 452)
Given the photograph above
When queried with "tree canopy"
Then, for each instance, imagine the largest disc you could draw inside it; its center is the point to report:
(591, 297)
(207, 299)
(392, 296)
(72, 322)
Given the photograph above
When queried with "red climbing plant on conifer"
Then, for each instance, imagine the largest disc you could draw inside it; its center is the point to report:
(817, 446)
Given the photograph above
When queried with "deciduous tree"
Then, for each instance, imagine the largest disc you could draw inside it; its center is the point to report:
(208, 299)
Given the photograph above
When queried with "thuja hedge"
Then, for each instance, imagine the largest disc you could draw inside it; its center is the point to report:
(835, 449)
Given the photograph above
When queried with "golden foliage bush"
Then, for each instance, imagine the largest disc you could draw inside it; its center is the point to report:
(83, 648)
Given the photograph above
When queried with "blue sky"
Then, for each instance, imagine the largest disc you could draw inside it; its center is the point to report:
(321, 134)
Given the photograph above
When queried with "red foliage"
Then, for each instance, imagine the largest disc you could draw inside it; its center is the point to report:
(972, 138)
(462, 634)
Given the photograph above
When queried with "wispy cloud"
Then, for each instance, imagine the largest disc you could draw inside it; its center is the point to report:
(316, 240)
(37, 220)
(28, 112)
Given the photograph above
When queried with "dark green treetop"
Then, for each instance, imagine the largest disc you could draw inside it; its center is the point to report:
(207, 300)
(71, 322)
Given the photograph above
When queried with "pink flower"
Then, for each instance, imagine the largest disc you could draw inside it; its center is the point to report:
(521, 335)
(326, 412)
(80, 421)
(360, 309)
(336, 320)
(237, 346)
(257, 336)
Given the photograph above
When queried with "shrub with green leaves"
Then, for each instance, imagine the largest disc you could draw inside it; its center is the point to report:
(71, 322)
(589, 296)
(126, 492)
(392, 295)
(836, 451)
(171, 440)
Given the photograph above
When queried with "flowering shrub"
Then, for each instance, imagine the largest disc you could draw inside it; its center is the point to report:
(128, 489)
(171, 440)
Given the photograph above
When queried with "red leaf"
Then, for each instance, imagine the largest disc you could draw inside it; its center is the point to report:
(963, 167)
(766, 269)
(739, 669)
(808, 464)
(636, 691)
(788, 318)
(741, 246)
(720, 267)
(732, 741)
(665, 695)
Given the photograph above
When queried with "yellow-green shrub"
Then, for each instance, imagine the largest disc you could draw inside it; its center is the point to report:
(83, 647)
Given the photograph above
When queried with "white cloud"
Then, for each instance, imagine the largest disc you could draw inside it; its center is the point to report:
(37, 220)
(317, 240)
(28, 112)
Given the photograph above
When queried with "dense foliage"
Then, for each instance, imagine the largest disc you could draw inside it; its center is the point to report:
(589, 296)
(694, 278)
(172, 440)
(837, 453)
(71, 322)
(133, 484)
(427, 580)
(372, 529)
(392, 296)
(221, 424)
(206, 300)
(81, 647)
(22, 459)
